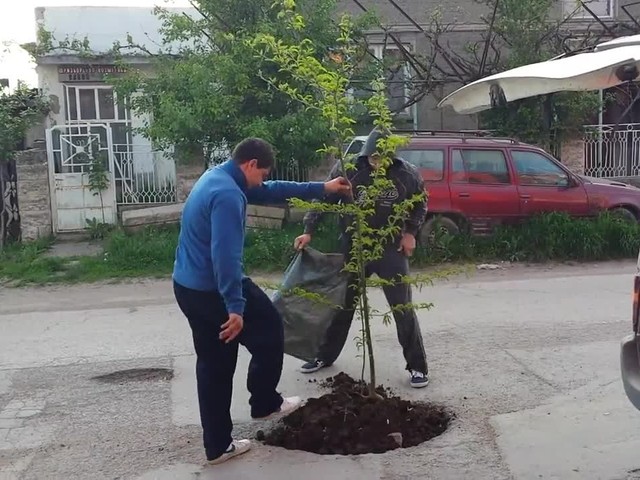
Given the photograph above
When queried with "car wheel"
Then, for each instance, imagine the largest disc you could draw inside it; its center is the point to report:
(435, 225)
(625, 214)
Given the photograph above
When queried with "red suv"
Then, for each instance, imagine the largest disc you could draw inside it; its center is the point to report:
(476, 183)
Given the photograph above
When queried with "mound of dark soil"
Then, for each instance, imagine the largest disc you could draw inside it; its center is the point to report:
(348, 422)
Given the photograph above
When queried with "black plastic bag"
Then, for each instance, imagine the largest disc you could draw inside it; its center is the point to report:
(306, 320)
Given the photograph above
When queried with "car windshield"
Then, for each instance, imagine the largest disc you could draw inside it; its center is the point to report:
(355, 147)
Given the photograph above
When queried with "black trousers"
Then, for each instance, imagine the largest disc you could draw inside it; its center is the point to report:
(262, 335)
(391, 266)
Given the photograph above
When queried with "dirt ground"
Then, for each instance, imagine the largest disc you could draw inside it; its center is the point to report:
(525, 356)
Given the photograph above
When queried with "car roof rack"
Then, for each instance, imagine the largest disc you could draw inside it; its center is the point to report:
(475, 133)
(462, 134)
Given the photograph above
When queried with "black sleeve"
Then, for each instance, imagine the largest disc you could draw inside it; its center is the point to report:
(418, 212)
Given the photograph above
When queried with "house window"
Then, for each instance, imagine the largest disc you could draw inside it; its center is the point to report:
(98, 104)
(93, 103)
(602, 8)
(398, 76)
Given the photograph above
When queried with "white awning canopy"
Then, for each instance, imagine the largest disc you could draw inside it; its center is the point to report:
(619, 42)
(610, 64)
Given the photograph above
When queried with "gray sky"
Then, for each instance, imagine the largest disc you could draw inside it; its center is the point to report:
(17, 26)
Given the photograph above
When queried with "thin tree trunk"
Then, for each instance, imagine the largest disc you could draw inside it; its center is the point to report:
(102, 208)
(369, 342)
(364, 303)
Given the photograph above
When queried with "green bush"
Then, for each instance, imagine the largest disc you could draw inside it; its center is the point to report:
(151, 252)
(272, 250)
(555, 236)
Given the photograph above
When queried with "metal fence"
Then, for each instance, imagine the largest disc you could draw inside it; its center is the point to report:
(612, 151)
(290, 171)
(143, 176)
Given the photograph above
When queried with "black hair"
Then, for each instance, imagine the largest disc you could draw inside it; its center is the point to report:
(251, 148)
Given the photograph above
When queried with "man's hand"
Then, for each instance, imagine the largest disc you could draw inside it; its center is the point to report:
(339, 185)
(232, 328)
(302, 241)
(407, 244)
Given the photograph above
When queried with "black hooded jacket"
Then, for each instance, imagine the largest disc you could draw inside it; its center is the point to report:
(407, 182)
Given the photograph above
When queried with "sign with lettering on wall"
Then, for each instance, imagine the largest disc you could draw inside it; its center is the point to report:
(87, 73)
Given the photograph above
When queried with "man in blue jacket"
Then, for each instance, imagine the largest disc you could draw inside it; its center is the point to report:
(225, 308)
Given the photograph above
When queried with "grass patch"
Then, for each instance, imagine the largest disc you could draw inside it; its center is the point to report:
(272, 250)
(150, 253)
(26, 263)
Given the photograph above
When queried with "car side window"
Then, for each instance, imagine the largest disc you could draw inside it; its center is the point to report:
(534, 169)
(430, 163)
(487, 167)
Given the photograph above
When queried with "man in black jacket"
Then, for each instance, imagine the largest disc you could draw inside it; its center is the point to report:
(393, 264)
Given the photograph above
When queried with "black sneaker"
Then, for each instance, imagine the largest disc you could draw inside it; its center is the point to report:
(419, 379)
(313, 366)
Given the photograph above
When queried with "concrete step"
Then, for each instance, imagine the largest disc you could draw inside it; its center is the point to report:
(136, 219)
(257, 216)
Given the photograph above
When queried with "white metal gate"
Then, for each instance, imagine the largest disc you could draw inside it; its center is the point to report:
(612, 151)
(144, 176)
(71, 152)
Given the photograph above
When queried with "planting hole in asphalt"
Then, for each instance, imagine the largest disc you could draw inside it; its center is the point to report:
(346, 421)
(136, 375)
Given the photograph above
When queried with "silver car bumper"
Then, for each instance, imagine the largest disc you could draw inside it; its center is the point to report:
(630, 367)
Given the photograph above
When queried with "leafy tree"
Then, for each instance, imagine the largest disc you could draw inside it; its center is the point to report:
(19, 111)
(322, 87)
(517, 33)
(209, 92)
(98, 183)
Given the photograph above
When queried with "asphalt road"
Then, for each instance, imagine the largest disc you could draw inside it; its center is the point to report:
(526, 357)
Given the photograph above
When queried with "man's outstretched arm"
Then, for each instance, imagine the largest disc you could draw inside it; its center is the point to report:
(276, 191)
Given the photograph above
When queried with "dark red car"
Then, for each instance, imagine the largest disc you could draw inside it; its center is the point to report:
(476, 183)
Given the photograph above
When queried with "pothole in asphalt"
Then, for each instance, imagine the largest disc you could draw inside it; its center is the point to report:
(346, 421)
(136, 375)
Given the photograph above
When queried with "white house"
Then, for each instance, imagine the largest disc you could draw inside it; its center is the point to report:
(88, 121)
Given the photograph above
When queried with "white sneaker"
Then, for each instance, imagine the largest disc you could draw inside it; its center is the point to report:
(237, 447)
(289, 404)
